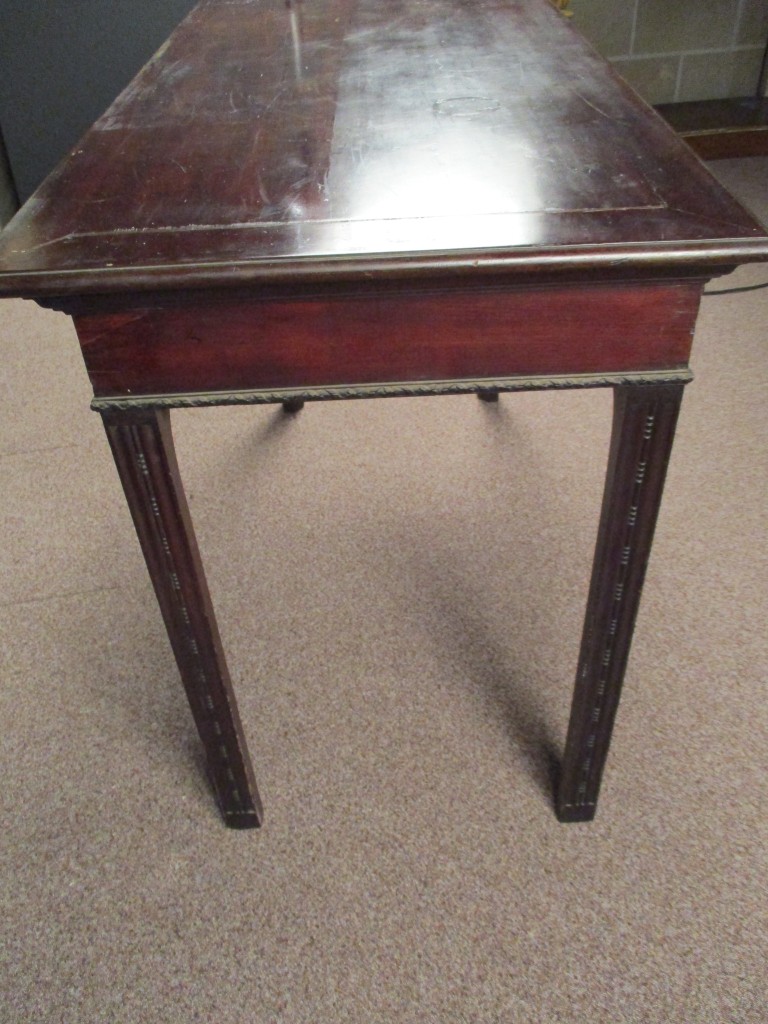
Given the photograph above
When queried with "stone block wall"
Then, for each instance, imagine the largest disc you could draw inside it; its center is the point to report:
(672, 51)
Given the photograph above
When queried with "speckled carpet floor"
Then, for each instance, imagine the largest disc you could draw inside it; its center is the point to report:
(400, 587)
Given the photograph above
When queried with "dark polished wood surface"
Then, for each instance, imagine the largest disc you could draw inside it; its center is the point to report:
(219, 347)
(348, 198)
(288, 139)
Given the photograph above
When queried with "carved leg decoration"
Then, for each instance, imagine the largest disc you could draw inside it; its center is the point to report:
(144, 454)
(643, 429)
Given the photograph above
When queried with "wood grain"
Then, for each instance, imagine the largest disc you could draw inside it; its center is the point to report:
(402, 336)
(321, 137)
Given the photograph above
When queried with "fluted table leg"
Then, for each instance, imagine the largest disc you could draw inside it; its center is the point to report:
(643, 430)
(142, 446)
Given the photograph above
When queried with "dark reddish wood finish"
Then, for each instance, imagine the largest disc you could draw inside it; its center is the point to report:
(355, 193)
(405, 336)
(643, 429)
(343, 137)
(142, 445)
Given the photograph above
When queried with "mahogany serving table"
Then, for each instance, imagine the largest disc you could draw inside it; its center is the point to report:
(349, 199)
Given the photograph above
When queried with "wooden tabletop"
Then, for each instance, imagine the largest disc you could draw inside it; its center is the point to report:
(280, 139)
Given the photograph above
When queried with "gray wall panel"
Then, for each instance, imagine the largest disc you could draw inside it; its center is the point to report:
(62, 64)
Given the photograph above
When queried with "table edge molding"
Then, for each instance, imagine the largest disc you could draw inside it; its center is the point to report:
(698, 258)
(406, 389)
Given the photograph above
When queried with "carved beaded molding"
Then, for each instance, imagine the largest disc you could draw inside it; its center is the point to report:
(129, 403)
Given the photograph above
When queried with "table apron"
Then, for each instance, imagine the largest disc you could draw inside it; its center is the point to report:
(407, 342)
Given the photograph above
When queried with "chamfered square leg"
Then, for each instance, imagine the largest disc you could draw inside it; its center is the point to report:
(142, 446)
(644, 423)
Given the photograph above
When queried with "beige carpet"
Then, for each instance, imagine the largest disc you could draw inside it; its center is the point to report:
(400, 587)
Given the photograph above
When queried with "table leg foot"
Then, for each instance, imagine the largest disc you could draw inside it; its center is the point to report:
(293, 405)
(242, 819)
(643, 430)
(488, 396)
(142, 446)
(569, 813)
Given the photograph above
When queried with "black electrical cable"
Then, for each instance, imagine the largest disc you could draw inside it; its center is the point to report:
(732, 291)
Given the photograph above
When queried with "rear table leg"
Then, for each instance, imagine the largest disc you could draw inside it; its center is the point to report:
(293, 405)
(643, 430)
(142, 446)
